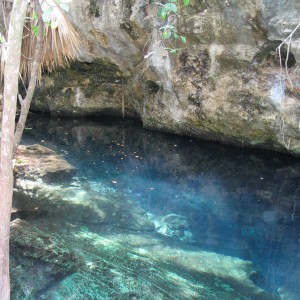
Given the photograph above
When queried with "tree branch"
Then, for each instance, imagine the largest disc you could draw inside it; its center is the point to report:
(33, 79)
(278, 50)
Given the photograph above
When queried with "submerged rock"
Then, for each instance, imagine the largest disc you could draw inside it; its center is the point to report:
(79, 203)
(37, 161)
(37, 259)
(141, 266)
(173, 225)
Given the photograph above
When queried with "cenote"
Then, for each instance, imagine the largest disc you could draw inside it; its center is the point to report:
(155, 216)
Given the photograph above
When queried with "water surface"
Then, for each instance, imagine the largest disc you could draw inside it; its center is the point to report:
(200, 196)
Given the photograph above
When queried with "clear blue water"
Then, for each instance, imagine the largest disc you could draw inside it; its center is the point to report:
(232, 201)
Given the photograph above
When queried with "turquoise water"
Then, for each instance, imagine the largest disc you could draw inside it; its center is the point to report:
(195, 200)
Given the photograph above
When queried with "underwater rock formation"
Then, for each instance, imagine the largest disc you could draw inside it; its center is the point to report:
(224, 85)
(79, 203)
(173, 225)
(124, 258)
(140, 266)
(37, 161)
(37, 166)
(37, 259)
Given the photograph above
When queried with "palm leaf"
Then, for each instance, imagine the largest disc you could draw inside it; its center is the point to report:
(60, 45)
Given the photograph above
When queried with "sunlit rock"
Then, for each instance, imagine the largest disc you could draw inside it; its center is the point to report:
(79, 203)
(141, 266)
(57, 201)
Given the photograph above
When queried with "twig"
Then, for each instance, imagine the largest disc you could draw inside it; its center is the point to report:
(278, 50)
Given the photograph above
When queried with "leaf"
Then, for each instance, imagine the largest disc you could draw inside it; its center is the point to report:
(64, 6)
(176, 36)
(171, 7)
(172, 1)
(47, 24)
(183, 39)
(186, 2)
(163, 14)
(166, 35)
(34, 16)
(35, 30)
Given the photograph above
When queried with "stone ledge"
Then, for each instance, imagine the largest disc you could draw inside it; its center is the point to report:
(37, 161)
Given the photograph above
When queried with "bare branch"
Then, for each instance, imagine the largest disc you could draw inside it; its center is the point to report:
(21, 100)
(288, 40)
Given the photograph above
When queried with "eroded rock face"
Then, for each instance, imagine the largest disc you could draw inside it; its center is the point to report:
(224, 85)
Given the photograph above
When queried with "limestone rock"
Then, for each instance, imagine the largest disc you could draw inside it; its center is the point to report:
(128, 266)
(79, 203)
(37, 161)
(37, 259)
(56, 201)
(225, 85)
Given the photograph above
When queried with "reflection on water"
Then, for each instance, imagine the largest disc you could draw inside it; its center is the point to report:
(236, 202)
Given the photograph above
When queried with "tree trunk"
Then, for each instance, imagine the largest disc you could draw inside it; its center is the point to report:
(11, 74)
(25, 104)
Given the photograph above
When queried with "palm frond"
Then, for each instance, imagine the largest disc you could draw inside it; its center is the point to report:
(60, 45)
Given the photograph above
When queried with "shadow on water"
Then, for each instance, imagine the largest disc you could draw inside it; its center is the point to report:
(230, 201)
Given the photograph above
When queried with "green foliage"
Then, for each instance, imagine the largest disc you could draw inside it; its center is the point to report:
(35, 29)
(168, 12)
(34, 16)
(170, 7)
(48, 9)
(48, 12)
(186, 2)
(169, 31)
